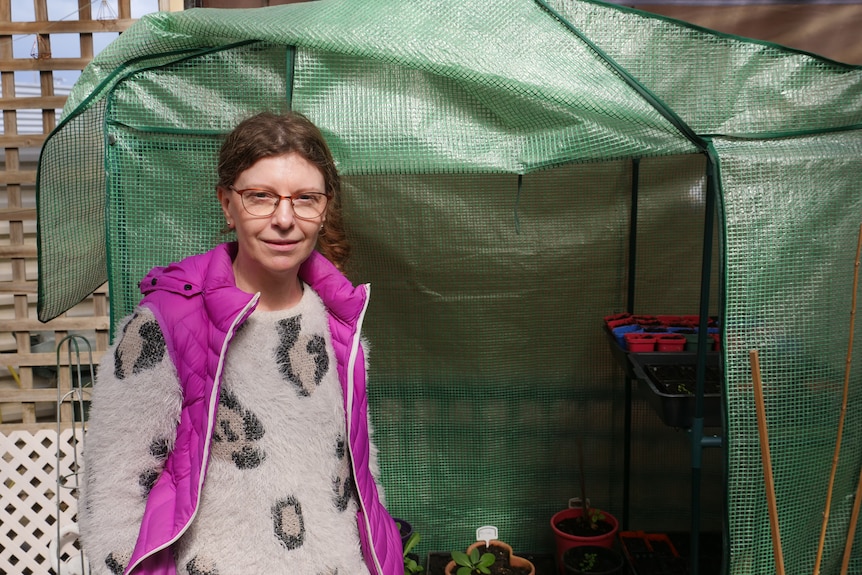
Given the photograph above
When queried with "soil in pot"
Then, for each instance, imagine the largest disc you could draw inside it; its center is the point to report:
(574, 526)
(592, 560)
(436, 562)
(679, 379)
(545, 563)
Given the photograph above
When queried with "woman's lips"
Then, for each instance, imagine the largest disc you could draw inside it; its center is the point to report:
(281, 245)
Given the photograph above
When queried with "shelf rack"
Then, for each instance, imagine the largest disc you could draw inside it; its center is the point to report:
(698, 438)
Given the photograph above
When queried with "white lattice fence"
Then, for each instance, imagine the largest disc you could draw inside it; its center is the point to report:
(29, 496)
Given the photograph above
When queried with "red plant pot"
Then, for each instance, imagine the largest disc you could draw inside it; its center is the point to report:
(674, 342)
(566, 541)
(612, 323)
(640, 342)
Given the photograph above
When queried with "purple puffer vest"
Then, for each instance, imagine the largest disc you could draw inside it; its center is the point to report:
(199, 308)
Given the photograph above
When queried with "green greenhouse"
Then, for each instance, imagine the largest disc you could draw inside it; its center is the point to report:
(515, 172)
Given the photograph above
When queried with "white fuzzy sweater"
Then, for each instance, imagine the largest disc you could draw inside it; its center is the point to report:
(278, 496)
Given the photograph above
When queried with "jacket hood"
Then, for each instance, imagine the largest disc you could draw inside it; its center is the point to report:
(213, 275)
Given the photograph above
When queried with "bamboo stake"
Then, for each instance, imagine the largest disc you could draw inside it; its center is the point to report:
(767, 461)
(854, 515)
(840, 433)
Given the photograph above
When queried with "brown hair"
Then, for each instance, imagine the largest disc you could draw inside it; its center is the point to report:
(265, 135)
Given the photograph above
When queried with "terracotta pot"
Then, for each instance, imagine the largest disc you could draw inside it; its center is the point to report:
(514, 560)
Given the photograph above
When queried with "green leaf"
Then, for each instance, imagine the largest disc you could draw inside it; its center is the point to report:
(461, 558)
(487, 560)
(465, 571)
(412, 567)
(412, 541)
(474, 556)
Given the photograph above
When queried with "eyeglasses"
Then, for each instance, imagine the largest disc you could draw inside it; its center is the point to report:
(261, 203)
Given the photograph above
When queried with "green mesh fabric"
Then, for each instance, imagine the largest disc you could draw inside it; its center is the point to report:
(72, 213)
(792, 219)
(720, 84)
(489, 152)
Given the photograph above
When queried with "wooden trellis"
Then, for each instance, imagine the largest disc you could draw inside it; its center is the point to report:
(30, 102)
(38, 439)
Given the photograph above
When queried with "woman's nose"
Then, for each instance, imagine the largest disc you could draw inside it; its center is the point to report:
(283, 215)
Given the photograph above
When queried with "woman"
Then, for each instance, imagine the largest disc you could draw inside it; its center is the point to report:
(229, 431)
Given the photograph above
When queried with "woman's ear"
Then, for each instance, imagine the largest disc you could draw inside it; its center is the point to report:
(224, 198)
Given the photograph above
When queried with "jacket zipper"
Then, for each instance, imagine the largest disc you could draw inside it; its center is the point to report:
(351, 364)
(210, 423)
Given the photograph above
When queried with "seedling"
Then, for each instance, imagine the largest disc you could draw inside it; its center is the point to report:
(588, 561)
(411, 567)
(474, 563)
(594, 515)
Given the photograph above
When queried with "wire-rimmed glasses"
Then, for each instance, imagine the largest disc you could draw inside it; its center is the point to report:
(263, 203)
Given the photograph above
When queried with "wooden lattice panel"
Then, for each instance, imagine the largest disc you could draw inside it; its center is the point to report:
(33, 505)
(30, 99)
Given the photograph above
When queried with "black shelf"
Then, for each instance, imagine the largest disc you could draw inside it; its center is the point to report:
(659, 373)
(674, 409)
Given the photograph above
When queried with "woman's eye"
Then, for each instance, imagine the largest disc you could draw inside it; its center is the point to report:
(261, 196)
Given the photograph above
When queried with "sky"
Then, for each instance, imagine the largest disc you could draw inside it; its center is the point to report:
(67, 45)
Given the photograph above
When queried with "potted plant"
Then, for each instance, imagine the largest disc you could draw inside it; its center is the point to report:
(582, 524)
(592, 560)
(472, 562)
(405, 529)
(488, 556)
(411, 560)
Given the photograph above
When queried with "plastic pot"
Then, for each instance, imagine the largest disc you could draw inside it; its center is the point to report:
(592, 560)
(565, 541)
(640, 342)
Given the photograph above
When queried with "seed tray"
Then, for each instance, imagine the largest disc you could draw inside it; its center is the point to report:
(669, 381)
(652, 554)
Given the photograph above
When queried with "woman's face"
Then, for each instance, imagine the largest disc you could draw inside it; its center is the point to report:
(271, 248)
